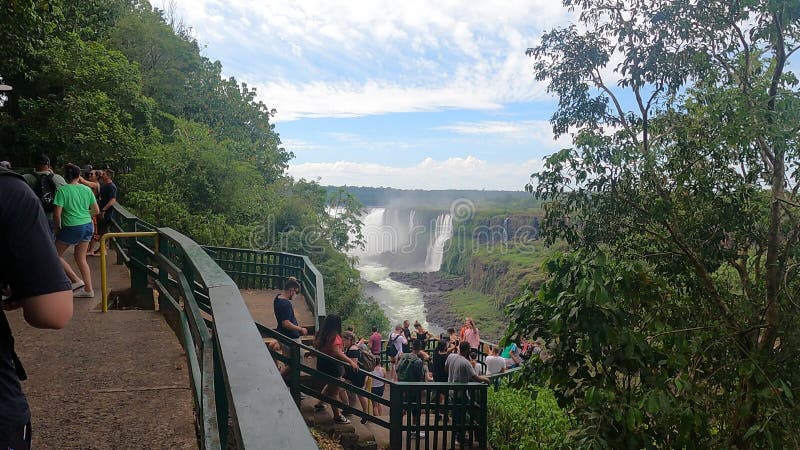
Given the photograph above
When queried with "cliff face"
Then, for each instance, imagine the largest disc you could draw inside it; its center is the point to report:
(497, 255)
(486, 275)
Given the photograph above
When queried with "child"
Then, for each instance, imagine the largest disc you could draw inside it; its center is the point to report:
(377, 389)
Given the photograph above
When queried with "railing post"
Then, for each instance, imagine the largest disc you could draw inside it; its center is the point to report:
(483, 393)
(395, 416)
(294, 372)
(220, 399)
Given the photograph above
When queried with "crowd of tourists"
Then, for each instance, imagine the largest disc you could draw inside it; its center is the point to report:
(414, 355)
(78, 207)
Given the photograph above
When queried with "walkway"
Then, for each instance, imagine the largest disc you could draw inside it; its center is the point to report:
(107, 381)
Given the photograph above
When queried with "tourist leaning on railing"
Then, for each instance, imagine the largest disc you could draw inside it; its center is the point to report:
(355, 377)
(329, 342)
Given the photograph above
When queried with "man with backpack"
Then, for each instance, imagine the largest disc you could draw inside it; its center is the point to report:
(45, 183)
(31, 278)
(395, 345)
(411, 368)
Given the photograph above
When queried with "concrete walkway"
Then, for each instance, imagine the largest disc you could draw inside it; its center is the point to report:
(107, 381)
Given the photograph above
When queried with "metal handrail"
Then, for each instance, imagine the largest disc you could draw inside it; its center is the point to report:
(233, 375)
(460, 398)
(103, 269)
(314, 287)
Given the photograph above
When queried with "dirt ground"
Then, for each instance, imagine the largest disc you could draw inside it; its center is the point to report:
(115, 380)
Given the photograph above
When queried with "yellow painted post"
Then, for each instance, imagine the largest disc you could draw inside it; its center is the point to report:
(103, 238)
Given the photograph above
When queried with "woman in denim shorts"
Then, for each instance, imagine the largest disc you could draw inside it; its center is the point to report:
(74, 206)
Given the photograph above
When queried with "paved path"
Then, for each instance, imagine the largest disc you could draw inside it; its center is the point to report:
(106, 381)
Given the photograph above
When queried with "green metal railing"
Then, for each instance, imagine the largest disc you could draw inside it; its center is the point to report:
(234, 380)
(262, 269)
(451, 415)
(239, 395)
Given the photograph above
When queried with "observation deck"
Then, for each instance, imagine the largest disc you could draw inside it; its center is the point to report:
(192, 371)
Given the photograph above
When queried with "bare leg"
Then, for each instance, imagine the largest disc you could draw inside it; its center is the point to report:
(364, 403)
(83, 266)
(332, 391)
(61, 247)
(376, 409)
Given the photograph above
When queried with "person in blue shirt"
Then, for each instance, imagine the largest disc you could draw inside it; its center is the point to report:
(284, 311)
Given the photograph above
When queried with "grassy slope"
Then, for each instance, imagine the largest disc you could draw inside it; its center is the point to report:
(524, 262)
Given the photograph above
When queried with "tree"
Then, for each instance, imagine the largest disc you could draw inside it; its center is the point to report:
(680, 198)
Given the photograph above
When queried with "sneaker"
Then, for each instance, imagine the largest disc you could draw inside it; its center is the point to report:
(78, 284)
(83, 294)
(342, 420)
(415, 435)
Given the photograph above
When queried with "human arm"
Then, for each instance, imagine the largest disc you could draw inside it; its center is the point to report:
(57, 210)
(30, 264)
(94, 209)
(110, 203)
(90, 184)
(480, 379)
(339, 354)
(53, 310)
(288, 325)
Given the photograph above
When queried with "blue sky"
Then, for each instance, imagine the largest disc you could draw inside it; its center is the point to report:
(412, 94)
(405, 94)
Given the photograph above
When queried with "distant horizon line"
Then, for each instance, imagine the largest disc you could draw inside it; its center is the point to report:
(521, 191)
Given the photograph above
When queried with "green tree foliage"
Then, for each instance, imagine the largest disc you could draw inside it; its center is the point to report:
(674, 321)
(525, 419)
(120, 84)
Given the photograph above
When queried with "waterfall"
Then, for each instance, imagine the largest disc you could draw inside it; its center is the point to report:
(375, 237)
(442, 232)
(505, 229)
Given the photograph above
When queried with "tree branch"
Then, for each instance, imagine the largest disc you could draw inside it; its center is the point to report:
(598, 80)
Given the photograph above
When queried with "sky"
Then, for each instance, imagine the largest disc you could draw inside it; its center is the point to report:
(410, 95)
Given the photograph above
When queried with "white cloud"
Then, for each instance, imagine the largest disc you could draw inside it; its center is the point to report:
(452, 173)
(295, 101)
(297, 145)
(356, 58)
(538, 131)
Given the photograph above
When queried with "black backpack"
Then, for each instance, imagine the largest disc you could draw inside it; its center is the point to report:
(45, 189)
(391, 349)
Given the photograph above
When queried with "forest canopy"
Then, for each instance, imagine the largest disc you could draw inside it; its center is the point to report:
(124, 85)
(673, 320)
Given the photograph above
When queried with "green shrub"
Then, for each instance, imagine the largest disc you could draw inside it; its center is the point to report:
(526, 419)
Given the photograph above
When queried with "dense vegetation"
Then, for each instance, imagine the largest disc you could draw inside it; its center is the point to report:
(120, 84)
(442, 199)
(672, 319)
(526, 418)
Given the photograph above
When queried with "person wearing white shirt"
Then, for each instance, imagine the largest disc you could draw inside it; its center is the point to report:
(495, 363)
